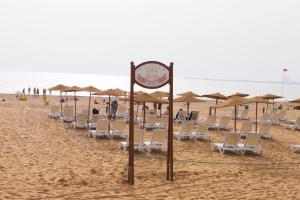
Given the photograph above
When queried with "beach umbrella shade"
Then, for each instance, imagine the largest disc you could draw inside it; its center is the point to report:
(189, 93)
(74, 89)
(238, 94)
(271, 97)
(188, 100)
(257, 100)
(60, 88)
(215, 96)
(90, 89)
(233, 101)
(295, 101)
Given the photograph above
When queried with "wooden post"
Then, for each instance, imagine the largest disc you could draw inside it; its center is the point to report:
(75, 106)
(235, 117)
(210, 110)
(256, 118)
(144, 115)
(109, 116)
(61, 107)
(188, 108)
(216, 108)
(273, 103)
(89, 108)
(170, 128)
(131, 128)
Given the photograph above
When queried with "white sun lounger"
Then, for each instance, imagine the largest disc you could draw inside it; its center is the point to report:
(81, 121)
(230, 143)
(223, 125)
(265, 131)
(54, 112)
(119, 129)
(201, 132)
(138, 141)
(252, 144)
(102, 129)
(186, 131)
(211, 121)
(181, 117)
(163, 122)
(244, 115)
(245, 129)
(158, 140)
(295, 148)
(68, 115)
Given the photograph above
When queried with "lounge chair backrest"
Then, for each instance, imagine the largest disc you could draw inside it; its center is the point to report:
(265, 128)
(264, 117)
(159, 136)
(211, 120)
(252, 139)
(119, 125)
(195, 115)
(164, 120)
(68, 113)
(81, 117)
(102, 125)
(186, 127)
(224, 121)
(231, 139)
(151, 119)
(282, 114)
(95, 118)
(138, 136)
(275, 116)
(54, 109)
(245, 113)
(202, 127)
(121, 109)
(246, 127)
(152, 112)
(182, 114)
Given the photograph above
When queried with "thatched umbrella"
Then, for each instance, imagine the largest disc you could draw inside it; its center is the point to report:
(189, 93)
(60, 88)
(74, 89)
(215, 96)
(256, 100)
(295, 101)
(238, 94)
(188, 100)
(90, 89)
(110, 92)
(271, 97)
(233, 101)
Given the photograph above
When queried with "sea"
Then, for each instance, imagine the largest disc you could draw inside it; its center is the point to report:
(13, 81)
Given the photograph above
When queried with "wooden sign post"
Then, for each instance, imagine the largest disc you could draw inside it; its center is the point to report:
(151, 75)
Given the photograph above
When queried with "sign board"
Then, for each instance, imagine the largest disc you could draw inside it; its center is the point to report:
(152, 75)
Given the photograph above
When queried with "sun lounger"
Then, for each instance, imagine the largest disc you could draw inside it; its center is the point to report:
(151, 122)
(181, 117)
(68, 115)
(294, 124)
(138, 141)
(119, 129)
(252, 144)
(295, 148)
(223, 125)
(102, 129)
(54, 112)
(121, 112)
(152, 112)
(211, 121)
(230, 143)
(163, 122)
(244, 115)
(201, 132)
(265, 119)
(186, 131)
(158, 140)
(282, 115)
(275, 118)
(194, 115)
(265, 131)
(94, 121)
(81, 121)
(246, 128)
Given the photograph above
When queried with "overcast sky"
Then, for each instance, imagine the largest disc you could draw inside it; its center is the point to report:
(230, 39)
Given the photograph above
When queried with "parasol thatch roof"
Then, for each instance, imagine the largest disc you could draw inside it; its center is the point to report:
(233, 101)
(216, 95)
(271, 96)
(295, 101)
(145, 97)
(59, 87)
(258, 99)
(188, 99)
(160, 94)
(110, 92)
(189, 93)
(90, 89)
(238, 94)
(73, 89)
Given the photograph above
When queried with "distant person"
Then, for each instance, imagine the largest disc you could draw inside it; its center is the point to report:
(29, 90)
(155, 105)
(114, 108)
(177, 115)
(44, 93)
(37, 92)
(23, 91)
(34, 91)
(95, 111)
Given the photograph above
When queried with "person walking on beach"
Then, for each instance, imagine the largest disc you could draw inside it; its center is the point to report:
(114, 108)
(29, 90)
(23, 91)
(34, 92)
(37, 92)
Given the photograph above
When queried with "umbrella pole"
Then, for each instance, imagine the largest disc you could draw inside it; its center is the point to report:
(273, 103)
(109, 107)
(61, 107)
(89, 108)
(188, 108)
(144, 115)
(256, 118)
(235, 118)
(216, 108)
(75, 104)
(210, 110)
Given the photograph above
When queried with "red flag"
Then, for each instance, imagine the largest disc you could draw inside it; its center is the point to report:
(285, 69)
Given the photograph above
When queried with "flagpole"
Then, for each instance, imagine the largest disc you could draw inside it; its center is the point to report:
(282, 82)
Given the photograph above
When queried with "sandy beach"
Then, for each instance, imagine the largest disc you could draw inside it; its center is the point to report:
(41, 158)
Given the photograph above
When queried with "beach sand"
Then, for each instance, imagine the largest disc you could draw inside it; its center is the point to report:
(41, 158)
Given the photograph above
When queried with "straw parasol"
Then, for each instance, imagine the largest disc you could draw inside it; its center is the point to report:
(160, 94)
(272, 97)
(189, 93)
(233, 101)
(74, 89)
(238, 94)
(90, 89)
(256, 100)
(188, 99)
(215, 96)
(60, 88)
(295, 101)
